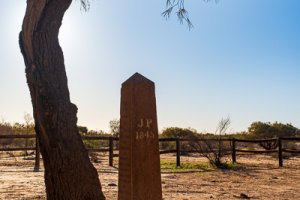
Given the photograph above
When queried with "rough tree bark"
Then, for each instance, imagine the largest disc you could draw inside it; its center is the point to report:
(69, 173)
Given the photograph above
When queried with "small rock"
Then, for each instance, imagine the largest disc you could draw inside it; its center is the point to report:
(244, 196)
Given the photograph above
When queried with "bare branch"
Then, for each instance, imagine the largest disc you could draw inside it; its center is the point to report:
(181, 12)
(213, 149)
(85, 4)
(223, 126)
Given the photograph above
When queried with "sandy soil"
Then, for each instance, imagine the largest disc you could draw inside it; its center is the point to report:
(259, 177)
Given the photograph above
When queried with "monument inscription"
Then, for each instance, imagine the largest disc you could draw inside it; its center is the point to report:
(144, 130)
(139, 163)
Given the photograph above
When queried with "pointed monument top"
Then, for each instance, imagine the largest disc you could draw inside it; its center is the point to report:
(137, 78)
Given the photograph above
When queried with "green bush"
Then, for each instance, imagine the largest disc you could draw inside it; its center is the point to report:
(176, 132)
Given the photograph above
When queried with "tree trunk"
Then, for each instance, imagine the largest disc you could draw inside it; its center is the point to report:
(69, 173)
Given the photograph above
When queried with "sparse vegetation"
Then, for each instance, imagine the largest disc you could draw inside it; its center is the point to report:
(213, 149)
(17, 129)
(185, 166)
(176, 132)
(266, 130)
(95, 144)
(114, 126)
(27, 128)
(209, 145)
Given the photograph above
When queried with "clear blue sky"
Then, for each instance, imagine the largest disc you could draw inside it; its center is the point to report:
(241, 59)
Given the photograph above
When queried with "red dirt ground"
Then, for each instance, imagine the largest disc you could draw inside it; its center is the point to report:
(258, 177)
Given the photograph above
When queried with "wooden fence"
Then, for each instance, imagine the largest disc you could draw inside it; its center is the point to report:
(36, 148)
(280, 150)
(177, 141)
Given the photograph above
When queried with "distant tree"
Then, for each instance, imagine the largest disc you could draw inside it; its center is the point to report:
(176, 132)
(284, 130)
(18, 128)
(95, 143)
(266, 130)
(83, 130)
(28, 128)
(243, 135)
(263, 130)
(114, 126)
(5, 129)
(28, 120)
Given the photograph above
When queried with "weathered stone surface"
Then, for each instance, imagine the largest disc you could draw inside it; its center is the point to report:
(139, 163)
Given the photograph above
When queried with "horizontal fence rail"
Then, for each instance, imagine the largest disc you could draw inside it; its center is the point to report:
(254, 141)
(36, 148)
(16, 136)
(177, 142)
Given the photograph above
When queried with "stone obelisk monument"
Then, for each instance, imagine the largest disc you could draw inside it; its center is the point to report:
(139, 162)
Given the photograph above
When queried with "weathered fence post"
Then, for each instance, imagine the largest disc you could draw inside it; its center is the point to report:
(233, 151)
(280, 158)
(177, 152)
(37, 155)
(111, 151)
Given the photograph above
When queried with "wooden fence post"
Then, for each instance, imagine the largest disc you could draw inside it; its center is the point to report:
(233, 151)
(280, 158)
(37, 155)
(177, 152)
(111, 151)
